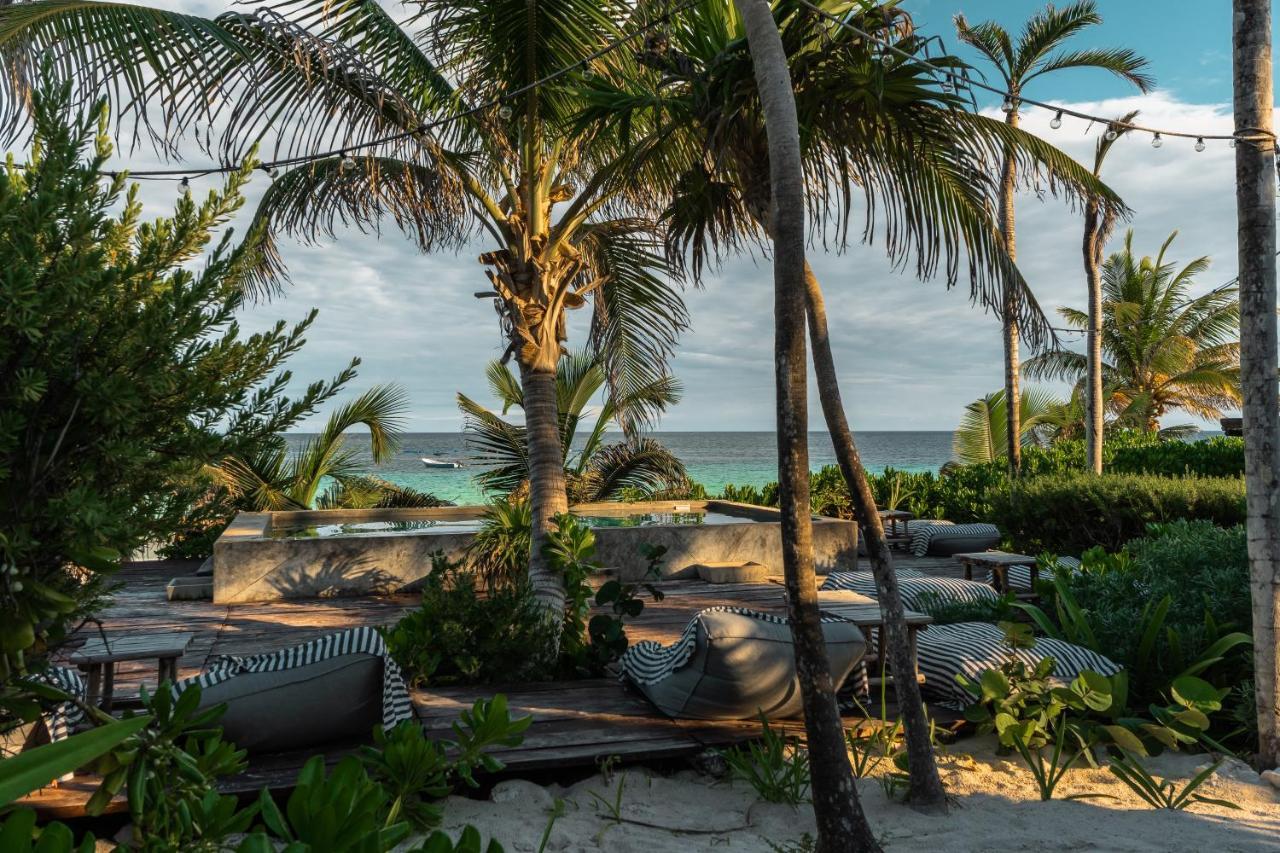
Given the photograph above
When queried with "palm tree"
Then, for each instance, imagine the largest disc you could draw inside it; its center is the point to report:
(1037, 53)
(887, 130)
(275, 479)
(1098, 225)
(842, 825)
(1163, 349)
(1256, 206)
(307, 76)
(597, 471)
(981, 435)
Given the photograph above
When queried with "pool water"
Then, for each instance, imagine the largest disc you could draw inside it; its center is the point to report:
(471, 525)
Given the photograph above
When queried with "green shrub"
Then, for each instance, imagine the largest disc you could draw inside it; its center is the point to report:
(1221, 456)
(458, 636)
(1070, 513)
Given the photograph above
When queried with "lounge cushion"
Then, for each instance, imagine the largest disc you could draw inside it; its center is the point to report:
(971, 648)
(944, 540)
(337, 687)
(1019, 577)
(734, 664)
(918, 591)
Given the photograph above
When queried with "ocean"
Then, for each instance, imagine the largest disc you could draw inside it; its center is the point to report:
(712, 458)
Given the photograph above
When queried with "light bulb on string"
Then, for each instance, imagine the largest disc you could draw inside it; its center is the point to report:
(1111, 134)
(504, 112)
(348, 162)
(1056, 121)
(886, 59)
(1007, 106)
(1232, 143)
(1156, 141)
(1199, 144)
(184, 187)
(947, 86)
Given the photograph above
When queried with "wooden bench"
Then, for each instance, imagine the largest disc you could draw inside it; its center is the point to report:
(98, 657)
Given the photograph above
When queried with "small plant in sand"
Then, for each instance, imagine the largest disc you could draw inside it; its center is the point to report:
(1164, 794)
(775, 766)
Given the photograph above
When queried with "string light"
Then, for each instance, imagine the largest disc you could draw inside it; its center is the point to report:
(504, 112)
(1156, 141)
(1199, 144)
(348, 162)
(1056, 121)
(184, 188)
(1008, 104)
(886, 59)
(604, 50)
(1111, 134)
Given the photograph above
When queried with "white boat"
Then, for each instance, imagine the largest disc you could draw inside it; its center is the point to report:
(436, 463)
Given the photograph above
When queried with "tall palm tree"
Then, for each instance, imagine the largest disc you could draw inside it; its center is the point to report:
(886, 130)
(1038, 51)
(1256, 206)
(595, 471)
(842, 825)
(1163, 349)
(276, 479)
(307, 76)
(1098, 225)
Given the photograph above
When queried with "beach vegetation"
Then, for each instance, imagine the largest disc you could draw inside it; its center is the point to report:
(776, 766)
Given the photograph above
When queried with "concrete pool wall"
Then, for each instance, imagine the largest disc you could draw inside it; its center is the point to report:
(249, 564)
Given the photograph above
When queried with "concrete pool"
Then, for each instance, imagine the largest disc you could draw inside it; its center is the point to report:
(322, 553)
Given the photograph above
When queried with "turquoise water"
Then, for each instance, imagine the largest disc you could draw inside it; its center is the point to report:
(471, 525)
(712, 458)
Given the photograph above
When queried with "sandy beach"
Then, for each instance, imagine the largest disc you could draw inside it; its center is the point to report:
(995, 807)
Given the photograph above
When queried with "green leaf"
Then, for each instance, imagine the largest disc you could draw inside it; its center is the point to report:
(35, 768)
(1196, 693)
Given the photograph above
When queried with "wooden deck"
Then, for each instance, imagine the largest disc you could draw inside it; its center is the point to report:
(576, 723)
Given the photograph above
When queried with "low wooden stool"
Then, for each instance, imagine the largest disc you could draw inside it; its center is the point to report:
(98, 657)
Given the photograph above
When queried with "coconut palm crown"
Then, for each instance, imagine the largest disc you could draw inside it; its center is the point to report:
(301, 77)
(1163, 349)
(596, 470)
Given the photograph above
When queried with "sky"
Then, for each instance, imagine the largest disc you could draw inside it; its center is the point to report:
(910, 354)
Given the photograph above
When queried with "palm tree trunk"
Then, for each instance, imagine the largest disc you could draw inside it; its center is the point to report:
(841, 822)
(547, 491)
(1093, 413)
(1256, 219)
(926, 789)
(1009, 317)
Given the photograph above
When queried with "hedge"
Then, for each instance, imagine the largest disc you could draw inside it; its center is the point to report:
(1070, 513)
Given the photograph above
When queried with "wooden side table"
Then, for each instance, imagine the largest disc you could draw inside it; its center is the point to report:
(98, 657)
(897, 526)
(997, 564)
(870, 620)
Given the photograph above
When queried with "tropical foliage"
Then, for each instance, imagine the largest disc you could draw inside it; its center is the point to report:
(1164, 350)
(1039, 50)
(276, 479)
(125, 373)
(595, 470)
(478, 142)
(981, 436)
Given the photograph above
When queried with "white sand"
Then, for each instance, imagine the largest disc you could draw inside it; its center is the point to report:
(996, 808)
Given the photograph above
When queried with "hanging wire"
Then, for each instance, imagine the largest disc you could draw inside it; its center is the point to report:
(346, 151)
(1010, 102)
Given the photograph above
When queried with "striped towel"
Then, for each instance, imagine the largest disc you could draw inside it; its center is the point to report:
(917, 590)
(396, 707)
(971, 648)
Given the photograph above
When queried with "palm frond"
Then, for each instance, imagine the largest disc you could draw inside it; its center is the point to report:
(639, 463)
(368, 492)
(504, 385)
(501, 447)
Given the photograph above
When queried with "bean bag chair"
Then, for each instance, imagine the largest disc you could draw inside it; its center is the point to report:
(971, 648)
(334, 688)
(945, 540)
(734, 664)
(918, 591)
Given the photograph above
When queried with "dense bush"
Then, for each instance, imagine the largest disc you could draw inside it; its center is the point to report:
(1221, 456)
(1070, 513)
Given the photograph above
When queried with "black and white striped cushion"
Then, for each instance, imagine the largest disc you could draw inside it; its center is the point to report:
(923, 534)
(917, 590)
(971, 648)
(862, 582)
(63, 718)
(396, 707)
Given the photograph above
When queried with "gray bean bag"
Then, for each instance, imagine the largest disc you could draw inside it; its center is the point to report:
(945, 540)
(734, 664)
(334, 688)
